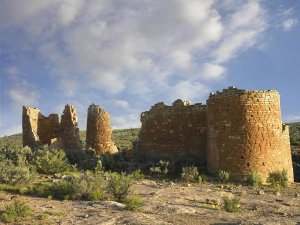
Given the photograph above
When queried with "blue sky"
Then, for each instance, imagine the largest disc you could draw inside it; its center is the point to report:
(127, 55)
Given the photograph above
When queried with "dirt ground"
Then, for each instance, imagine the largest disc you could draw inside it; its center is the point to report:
(172, 203)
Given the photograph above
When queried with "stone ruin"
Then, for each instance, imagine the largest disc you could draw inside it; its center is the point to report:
(237, 131)
(98, 132)
(42, 130)
(39, 129)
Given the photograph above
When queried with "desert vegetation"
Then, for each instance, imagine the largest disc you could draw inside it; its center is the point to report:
(81, 175)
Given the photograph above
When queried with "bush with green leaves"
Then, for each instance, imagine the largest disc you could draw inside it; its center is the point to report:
(85, 159)
(254, 179)
(190, 174)
(85, 187)
(160, 168)
(15, 212)
(52, 161)
(223, 176)
(18, 156)
(119, 185)
(114, 162)
(138, 175)
(231, 204)
(133, 203)
(11, 174)
(278, 179)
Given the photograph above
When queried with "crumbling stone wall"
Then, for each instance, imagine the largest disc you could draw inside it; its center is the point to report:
(48, 128)
(176, 131)
(70, 137)
(99, 131)
(245, 133)
(30, 118)
(38, 129)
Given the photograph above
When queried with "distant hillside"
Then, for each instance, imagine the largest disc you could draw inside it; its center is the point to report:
(122, 137)
(295, 133)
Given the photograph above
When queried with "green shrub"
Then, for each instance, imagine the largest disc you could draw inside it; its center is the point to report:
(190, 174)
(160, 168)
(254, 179)
(86, 187)
(86, 159)
(15, 212)
(278, 179)
(137, 175)
(114, 162)
(133, 203)
(119, 186)
(89, 187)
(231, 204)
(64, 189)
(223, 176)
(11, 174)
(51, 162)
(18, 156)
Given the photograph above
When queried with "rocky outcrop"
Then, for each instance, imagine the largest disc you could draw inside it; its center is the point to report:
(99, 131)
(69, 137)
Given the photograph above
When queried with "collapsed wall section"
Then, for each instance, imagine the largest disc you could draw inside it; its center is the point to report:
(39, 129)
(245, 133)
(99, 131)
(175, 131)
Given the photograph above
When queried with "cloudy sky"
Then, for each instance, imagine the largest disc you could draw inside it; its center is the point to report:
(127, 55)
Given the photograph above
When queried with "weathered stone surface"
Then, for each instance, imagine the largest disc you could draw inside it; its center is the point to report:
(30, 119)
(176, 131)
(69, 137)
(237, 131)
(48, 128)
(38, 129)
(99, 131)
(245, 133)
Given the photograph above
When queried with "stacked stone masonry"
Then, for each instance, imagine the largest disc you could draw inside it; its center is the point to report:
(237, 131)
(178, 131)
(99, 131)
(41, 130)
(70, 137)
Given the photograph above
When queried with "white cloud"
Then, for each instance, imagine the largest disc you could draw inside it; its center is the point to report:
(289, 24)
(120, 103)
(212, 71)
(292, 118)
(142, 49)
(233, 44)
(188, 90)
(128, 121)
(68, 11)
(23, 93)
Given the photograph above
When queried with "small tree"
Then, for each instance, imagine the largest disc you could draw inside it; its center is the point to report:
(51, 162)
(190, 174)
(119, 186)
(254, 179)
(231, 204)
(223, 176)
(278, 179)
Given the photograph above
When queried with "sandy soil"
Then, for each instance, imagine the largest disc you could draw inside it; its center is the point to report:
(169, 203)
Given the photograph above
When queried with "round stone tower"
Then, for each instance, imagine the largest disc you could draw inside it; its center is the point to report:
(245, 133)
(98, 132)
